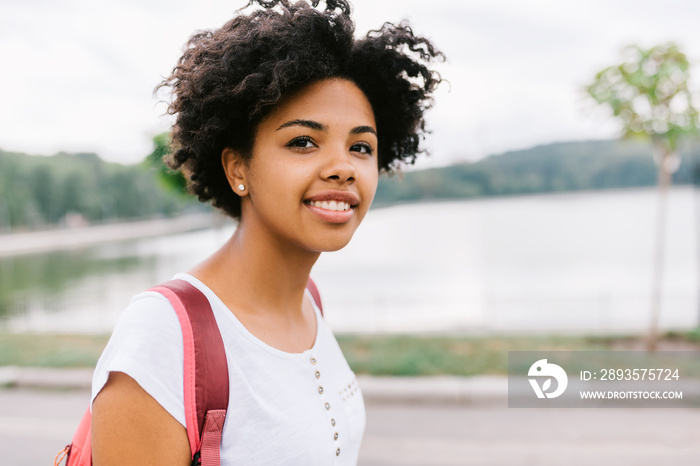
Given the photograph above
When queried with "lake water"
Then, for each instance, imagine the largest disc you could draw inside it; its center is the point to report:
(574, 262)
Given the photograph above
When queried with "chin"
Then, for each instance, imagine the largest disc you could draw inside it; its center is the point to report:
(333, 247)
(331, 244)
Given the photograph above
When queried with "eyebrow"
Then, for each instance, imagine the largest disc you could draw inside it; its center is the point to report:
(363, 129)
(320, 127)
(307, 123)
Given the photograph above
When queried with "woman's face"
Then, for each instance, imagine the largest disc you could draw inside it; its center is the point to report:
(313, 172)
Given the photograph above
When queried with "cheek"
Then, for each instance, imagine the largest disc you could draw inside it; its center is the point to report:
(279, 183)
(370, 178)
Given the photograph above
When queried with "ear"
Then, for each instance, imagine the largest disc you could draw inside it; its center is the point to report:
(236, 170)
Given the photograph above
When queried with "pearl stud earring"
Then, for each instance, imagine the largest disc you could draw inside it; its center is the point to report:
(241, 187)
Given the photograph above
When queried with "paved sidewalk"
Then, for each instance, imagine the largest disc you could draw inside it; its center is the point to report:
(44, 378)
(441, 389)
(472, 435)
(57, 239)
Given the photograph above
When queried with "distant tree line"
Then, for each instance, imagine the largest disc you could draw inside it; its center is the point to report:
(37, 191)
(568, 166)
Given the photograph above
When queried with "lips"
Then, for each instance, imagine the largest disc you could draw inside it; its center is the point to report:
(333, 206)
(337, 196)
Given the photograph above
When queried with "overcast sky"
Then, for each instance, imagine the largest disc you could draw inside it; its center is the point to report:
(78, 75)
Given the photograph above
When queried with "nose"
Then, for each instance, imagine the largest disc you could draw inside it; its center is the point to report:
(339, 166)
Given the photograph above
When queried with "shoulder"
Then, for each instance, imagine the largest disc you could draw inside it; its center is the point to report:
(129, 427)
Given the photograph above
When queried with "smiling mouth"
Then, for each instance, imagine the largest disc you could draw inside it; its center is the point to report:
(335, 206)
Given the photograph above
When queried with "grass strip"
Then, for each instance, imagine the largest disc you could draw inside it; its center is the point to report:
(414, 355)
(50, 350)
(390, 355)
(422, 355)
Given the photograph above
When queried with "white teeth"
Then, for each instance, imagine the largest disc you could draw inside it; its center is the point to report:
(332, 205)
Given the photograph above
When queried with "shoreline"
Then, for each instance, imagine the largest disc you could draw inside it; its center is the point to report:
(62, 239)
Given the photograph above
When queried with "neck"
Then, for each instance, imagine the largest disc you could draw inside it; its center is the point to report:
(255, 272)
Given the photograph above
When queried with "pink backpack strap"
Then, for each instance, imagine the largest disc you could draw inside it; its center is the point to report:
(206, 370)
(205, 380)
(311, 286)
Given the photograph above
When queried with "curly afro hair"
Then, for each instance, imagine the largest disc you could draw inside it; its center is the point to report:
(229, 79)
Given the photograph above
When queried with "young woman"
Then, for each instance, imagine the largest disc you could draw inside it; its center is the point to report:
(284, 122)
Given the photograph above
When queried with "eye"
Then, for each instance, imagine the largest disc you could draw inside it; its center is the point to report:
(301, 143)
(362, 147)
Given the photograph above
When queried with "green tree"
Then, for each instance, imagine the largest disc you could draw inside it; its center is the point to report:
(648, 93)
(74, 189)
(44, 186)
(172, 180)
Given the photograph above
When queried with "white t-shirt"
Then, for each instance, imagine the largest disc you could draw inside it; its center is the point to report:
(284, 408)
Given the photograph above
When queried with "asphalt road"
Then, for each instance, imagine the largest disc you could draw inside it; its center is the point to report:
(498, 436)
(35, 424)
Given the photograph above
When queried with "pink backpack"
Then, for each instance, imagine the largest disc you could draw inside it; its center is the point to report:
(206, 378)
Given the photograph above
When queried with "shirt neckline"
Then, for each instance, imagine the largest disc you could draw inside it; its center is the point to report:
(239, 325)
